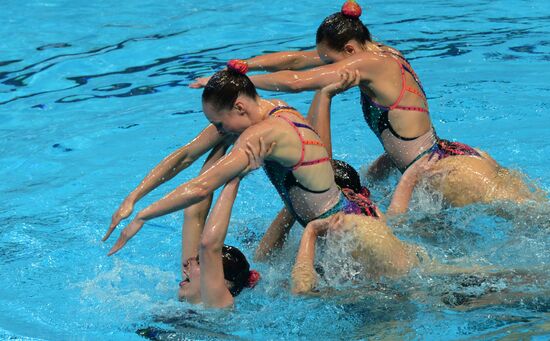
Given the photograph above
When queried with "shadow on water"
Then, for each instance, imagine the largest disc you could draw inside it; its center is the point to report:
(187, 66)
(506, 300)
(185, 325)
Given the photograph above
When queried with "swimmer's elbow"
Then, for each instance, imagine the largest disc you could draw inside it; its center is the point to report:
(290, 81)
(295, 84)
(211, 243)
(185, 162)
(200, 191)
(182, 158)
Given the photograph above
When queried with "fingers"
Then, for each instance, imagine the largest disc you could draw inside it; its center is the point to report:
(118, 245)
(340, 220)
(428, 162)
(121, 241)
(336, 220)
(115, 220)
(195, 85)
(199, 83)
(253, 155)
(352, 78)
(348, 79)
(126, 234)
(357, 78)
(262, 146)
(264, 152)
(257, 154)
(270, 149)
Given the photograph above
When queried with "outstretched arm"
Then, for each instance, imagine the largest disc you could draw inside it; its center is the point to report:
(214, 291)
(319, 77)
(166, 170)
(187, 194)
(195, 216)
(227, 168)
(285, 60)
(319, 110)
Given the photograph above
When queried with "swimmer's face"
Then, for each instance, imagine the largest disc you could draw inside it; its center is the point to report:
(190, 288)
(228, 121)
(329, 55)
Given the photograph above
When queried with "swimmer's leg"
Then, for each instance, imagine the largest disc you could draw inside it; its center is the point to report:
(470, 179)
(275, 235)
(380, 168)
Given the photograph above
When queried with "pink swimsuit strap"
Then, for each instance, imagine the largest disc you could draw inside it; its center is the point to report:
(304, 142)
(404, 88)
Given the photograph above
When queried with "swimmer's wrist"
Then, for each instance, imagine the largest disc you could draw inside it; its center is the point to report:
(409, 179)
(131, 198)
(310, 230)
(328, 94)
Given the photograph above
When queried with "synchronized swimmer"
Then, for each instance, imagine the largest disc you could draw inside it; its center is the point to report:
(394, 106)
(320, 193)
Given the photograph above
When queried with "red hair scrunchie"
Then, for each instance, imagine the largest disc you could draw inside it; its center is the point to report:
(351, 9)
(238, 65)
(253, 278)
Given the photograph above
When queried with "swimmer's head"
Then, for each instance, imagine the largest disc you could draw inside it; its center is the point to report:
(229, 99)
(236, 271)
(342, 34)
(346, 176)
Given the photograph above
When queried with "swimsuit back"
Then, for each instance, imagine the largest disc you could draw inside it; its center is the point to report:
(403, 151)
(305, 204)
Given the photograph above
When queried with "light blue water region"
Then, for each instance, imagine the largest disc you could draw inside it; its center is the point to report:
(94, 94)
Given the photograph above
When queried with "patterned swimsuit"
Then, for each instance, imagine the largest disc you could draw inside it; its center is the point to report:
(402, 150)
(306, 204)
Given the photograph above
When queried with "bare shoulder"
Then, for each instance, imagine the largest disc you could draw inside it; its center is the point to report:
(263, 129)
(390, 49)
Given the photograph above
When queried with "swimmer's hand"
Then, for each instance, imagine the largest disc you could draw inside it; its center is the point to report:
(256, 155)
(421, 168)
(336, 222)
(126, 234)
(320, 226)
(348, 79)
(199, 82)
(123, 212)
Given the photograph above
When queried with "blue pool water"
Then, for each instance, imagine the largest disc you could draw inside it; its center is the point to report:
(93, 94)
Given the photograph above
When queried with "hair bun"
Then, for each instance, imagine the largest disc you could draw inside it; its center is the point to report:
(351, 9)
(238, 65)
(253, 278)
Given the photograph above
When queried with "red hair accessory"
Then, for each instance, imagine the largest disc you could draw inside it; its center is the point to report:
(351, 9)
(238, 65)
(253, 278)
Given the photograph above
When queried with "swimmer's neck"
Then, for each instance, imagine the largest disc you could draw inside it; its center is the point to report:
(371, 46)
(266, 106)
